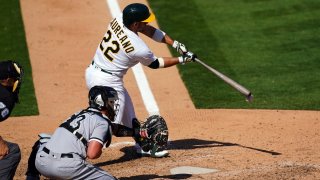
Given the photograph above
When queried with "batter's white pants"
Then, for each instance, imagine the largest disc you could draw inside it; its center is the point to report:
(95, 77)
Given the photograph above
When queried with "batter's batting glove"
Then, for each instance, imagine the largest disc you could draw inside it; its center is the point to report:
(181, 48)
(187, 57)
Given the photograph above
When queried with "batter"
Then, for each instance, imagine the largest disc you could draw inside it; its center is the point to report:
(121, 48)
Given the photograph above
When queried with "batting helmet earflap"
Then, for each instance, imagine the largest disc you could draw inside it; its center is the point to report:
(104, 98)
(136, 12)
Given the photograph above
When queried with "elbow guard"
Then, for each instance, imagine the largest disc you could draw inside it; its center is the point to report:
(158, 63)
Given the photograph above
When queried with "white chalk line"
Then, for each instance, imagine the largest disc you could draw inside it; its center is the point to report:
(119, 144)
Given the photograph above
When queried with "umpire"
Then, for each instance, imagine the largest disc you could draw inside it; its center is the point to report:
(10, 81)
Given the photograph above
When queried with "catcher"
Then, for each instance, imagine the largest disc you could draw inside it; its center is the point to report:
(83, 135)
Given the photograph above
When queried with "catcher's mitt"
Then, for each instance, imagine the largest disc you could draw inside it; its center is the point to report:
(153, 133)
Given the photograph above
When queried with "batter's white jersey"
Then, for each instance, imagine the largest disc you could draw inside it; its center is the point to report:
(119, 50)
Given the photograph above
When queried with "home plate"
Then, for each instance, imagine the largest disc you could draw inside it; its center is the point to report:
(191, 170)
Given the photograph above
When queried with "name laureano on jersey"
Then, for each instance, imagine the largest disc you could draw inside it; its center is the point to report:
(122, 37)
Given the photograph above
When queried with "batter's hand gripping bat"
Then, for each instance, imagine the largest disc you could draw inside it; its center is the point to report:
(235, 85)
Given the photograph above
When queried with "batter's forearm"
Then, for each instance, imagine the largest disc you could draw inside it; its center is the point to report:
(168, 40)
(157, 35)
(149, 31)
(170, 61)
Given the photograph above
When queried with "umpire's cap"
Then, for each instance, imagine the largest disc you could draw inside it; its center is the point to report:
(136, 12)
(10, 69)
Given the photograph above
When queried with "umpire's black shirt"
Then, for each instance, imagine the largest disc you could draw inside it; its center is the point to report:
(7, 102)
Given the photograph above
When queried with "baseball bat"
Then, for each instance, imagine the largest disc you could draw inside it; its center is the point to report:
(232, 83)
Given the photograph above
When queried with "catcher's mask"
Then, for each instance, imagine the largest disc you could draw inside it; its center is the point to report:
(136, 12)
(13, 71)
(104, 98)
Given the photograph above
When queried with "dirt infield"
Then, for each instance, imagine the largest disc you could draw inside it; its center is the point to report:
(62, 37)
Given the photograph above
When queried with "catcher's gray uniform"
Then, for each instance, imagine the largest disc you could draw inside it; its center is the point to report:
(63, 156)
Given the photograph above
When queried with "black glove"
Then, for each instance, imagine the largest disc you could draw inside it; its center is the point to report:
(153, 132)
(187, 57)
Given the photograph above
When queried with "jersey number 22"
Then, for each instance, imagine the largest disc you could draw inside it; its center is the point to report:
(109, 47)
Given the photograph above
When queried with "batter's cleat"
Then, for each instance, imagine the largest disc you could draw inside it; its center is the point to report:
(158, 154)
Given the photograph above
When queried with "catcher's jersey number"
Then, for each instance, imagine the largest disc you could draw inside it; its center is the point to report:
(110, 47)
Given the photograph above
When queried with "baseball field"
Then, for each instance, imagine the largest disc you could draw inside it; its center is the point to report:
(275, 137)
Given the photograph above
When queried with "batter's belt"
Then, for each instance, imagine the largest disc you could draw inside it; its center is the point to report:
(97, 67)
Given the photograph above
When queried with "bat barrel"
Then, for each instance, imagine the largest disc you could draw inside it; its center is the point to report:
(229, 81)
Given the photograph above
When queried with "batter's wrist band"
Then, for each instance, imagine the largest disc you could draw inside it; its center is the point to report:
(161, 62)
(181, 60)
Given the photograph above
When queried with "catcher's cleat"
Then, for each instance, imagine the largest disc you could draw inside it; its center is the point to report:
(157, 154)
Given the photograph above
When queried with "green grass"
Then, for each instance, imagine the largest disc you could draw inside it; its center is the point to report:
(13, 47)
(269, 46)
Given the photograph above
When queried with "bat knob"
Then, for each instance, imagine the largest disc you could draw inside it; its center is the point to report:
(249, 98)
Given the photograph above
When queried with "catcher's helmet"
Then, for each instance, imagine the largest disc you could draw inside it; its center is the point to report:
(104, 98)
(136, 12)
(11, 69)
